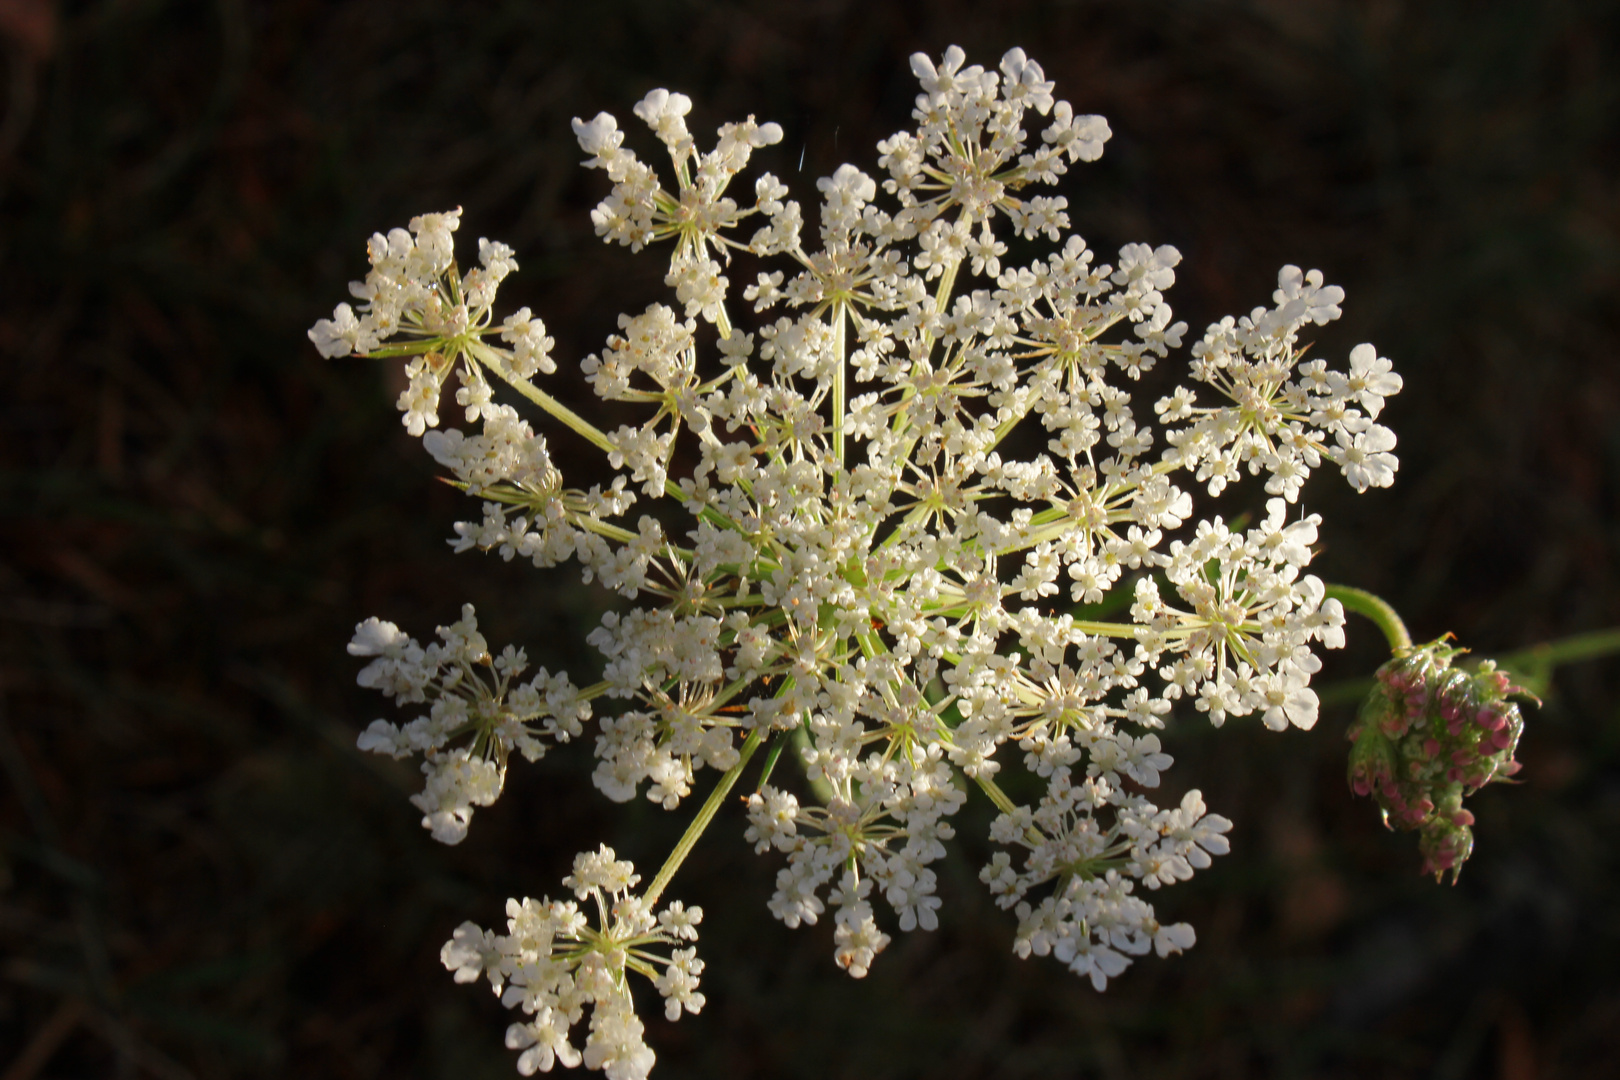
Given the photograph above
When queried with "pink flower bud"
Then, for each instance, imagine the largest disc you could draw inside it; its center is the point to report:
(1463, 733)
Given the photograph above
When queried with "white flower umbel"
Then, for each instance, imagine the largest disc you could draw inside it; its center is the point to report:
(877, 582)
(478, 713)
(553, 962)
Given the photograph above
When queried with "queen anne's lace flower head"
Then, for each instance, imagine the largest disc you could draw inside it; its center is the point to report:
(852, 558)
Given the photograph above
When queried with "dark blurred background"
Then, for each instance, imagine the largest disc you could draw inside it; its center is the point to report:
(200, 876)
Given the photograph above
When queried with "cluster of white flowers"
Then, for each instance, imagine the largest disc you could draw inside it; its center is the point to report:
(877, 582)
(552, 963)
(471, 696)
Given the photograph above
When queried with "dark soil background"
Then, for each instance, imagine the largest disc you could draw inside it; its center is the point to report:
(200, 876)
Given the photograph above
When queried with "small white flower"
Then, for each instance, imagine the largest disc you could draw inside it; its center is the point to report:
(1317, 302)
(1289, 700)
(1365, 458)
(665, 113)
(1371, 379)
(1173, 939)
(1081, 137)
(374, 637)
(338, 336)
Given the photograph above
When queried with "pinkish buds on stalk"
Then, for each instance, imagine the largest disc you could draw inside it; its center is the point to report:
(1429, 735)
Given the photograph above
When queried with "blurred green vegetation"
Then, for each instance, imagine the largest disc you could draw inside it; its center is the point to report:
(200, 877)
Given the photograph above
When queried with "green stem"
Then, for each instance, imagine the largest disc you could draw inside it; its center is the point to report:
(411, 348)
(1006, 805)
(694, 831)
(575, 422)
(942, 300)
(838, 388)
(580, 426)
(770, 764)
(947, 284)
(1535, 663)
(1106, 629)
(1549, 654)
(822, 790)
(1375, 608)
(997, 796)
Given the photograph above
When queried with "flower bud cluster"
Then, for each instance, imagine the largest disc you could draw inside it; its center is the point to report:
(884, 583)
(552, 962)
(1429, 735)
